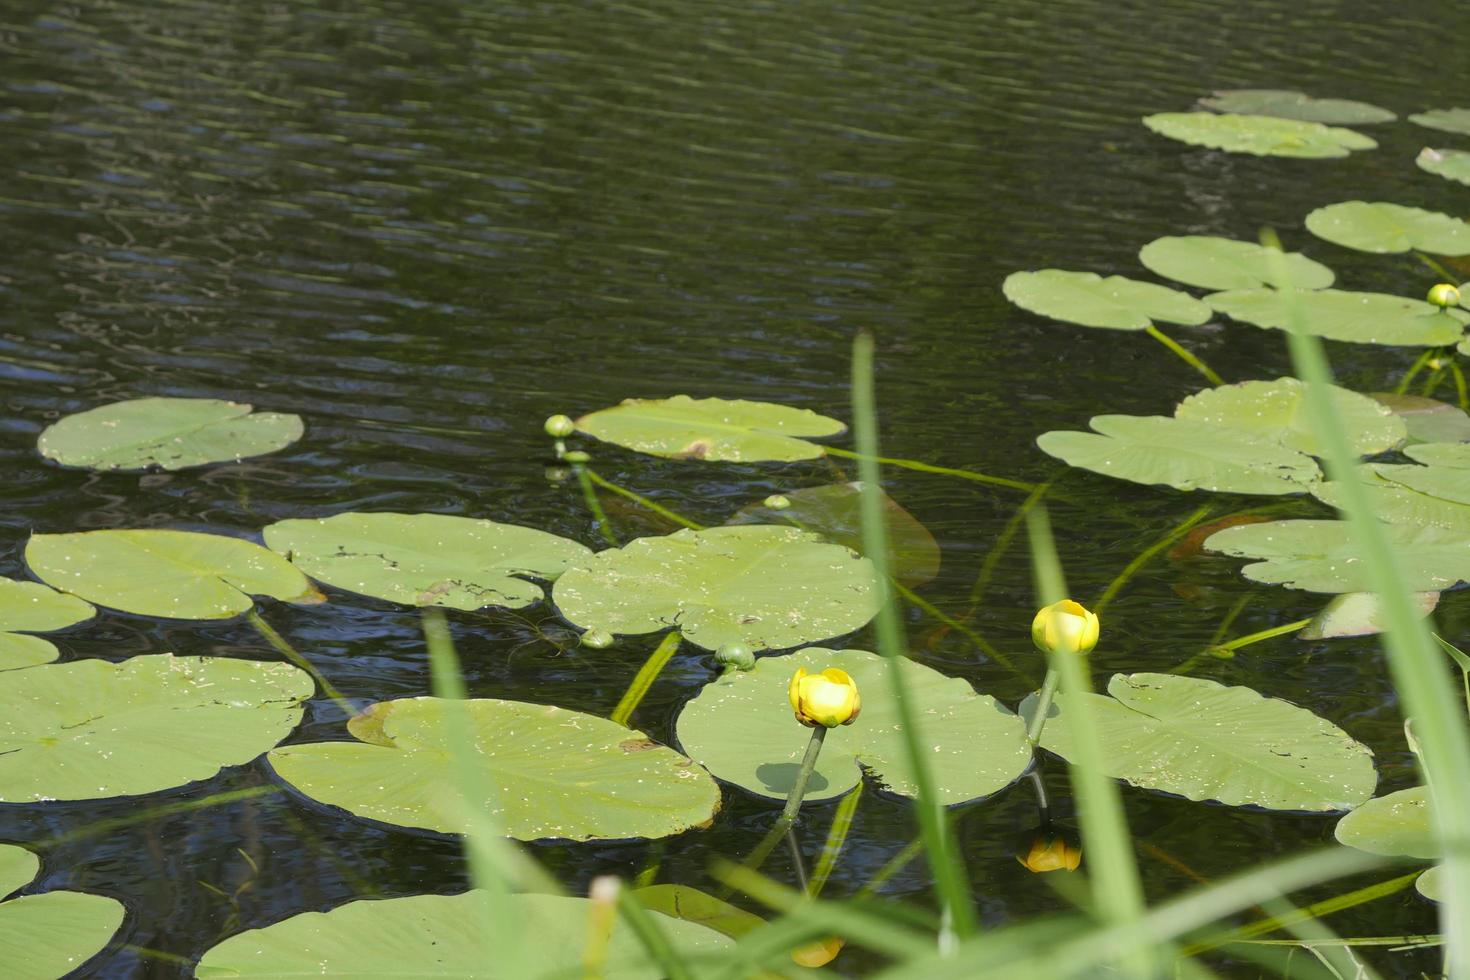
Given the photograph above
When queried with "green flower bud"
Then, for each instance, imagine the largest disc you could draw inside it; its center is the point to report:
(559, 426)
(736, 656)
(597, 639)
(776, 502)
(1444, 295)
(576, 456)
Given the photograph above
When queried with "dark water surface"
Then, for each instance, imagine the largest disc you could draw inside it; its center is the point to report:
(426, 226)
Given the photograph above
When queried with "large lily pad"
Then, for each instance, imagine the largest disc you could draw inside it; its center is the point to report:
(1444, 120)
(1396, 825)
(1359, 318)
(51, 934)
(1436, 494)
(1449, 164)
(1262, 136)
(1379, 226)
(170, 433)
(90, 729)
(1205, 741)
(426, 559)
(175, 574)
(32, 607)
(712, 429)
(764, 586)
(1224, 263)
(1087, 299)
(426, 936)
(741, 728)
(555, 772)
(1320, 556)
(1358, 614)
(1183, 453)
(835, 512)
(1427, 420)
(1287, 104)
(1278, 409)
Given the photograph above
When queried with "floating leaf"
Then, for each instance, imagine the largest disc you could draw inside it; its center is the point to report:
(766, 587)
(53, 933)
(1358, 614)
(1287, 104)
(1319, 556)
(1379, 226)
(1445, 120)
(1427, 420)
(32, 607)
(1087, 299)
(426, 936)
(174, 574)
(712, 429)
(426, 559)
(1278, 409)
(90, 729)
(740, 727)
(1359, 318)
(1184, 454)
(556, 772)
(693, 905)
(1436, 494)
(1431, 884)
(1262, 136)
(171, 433)
(1396, 825)
(1223, 263)
(834, 512)
(1449, 164)
(1205, 741)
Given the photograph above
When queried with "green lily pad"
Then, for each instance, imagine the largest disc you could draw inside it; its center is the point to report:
(169, 433)
(1184, 454)
(834, 512)
(1089, 300)
(1427, 420)
(1358, 614)
(1358, 318)
(426, 936)
(1431, 884)
(1278, 409)
(1394, 503)
(1223, 263)
(1319, 556)
(557, 773)
(1286, 104)
(1445, 120)
(763, 586)
(1449, 164)
(713, 429)
(741, 728)
(693, 905)
(51, 934)
(32, 607)
(89, 729)
(1378, 226)
(1396, 825)
(174, 574)
(426, 559)
(1205, 741)
(1262, 136)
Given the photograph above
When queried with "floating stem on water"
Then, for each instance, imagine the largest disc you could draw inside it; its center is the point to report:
(1184, 355)
(645, 677)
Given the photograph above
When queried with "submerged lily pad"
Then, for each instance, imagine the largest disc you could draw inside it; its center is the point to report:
(1286, 104)
(740, 727)
(1278, 409)
(1396, 825)
(1224, 263)
(424, 936)
(555, 772)
(763, 586)
(835, 512)
(1445, 120)
(27, 607)
(1183, 453)
(1262, 136)
(1205, 741)
(1359, 318)
(1449, 164)
(89, 729)
(1320, 556)
(51, 934)
(426, 559)
(1379, 226)
(1426, 419)
(174, 574)
(1087, 299)
(1358, 614)
(170, 433)
(712, 429)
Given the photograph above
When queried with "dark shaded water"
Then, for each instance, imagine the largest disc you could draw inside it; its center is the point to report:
(425, 227)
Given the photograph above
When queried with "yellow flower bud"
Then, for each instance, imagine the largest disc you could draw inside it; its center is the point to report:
(828, 699)
(1064, 628)
(1048, 849)
(1444, 295)
(818, 953)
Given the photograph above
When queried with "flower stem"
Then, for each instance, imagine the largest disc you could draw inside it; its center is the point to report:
(639, 499)
(922, 467)
(292, 654)
(1146, 555)
(594, 505)
(1184, 355)
(1258, 636)
(1043, 705)
(645, 677)
(803, 776)
(1414, 369)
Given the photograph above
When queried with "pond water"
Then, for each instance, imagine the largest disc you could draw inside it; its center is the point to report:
(426, 227)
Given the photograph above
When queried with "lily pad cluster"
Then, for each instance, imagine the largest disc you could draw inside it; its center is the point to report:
(49, 934)
(29, 607)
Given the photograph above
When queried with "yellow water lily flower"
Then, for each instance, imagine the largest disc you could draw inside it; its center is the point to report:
(1048, 849)
(1064, 628)
(828, 699)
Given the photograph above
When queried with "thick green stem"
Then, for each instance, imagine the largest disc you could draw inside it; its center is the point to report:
(1460, 388)
(645, 677)
(1145, 556)
(1437, 266)
(639, 499)
(1043, 805)
(803, 775)
(986, 647)
(1184, 355)
(1414, 369)
(1431, 384)
(1258, 636)
(292, 654)
(922, 467)
(836, 840)
(589, 494)
(1043, 705)
(999, 548)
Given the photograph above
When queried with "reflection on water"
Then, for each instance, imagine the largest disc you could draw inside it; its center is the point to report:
(425, 227)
